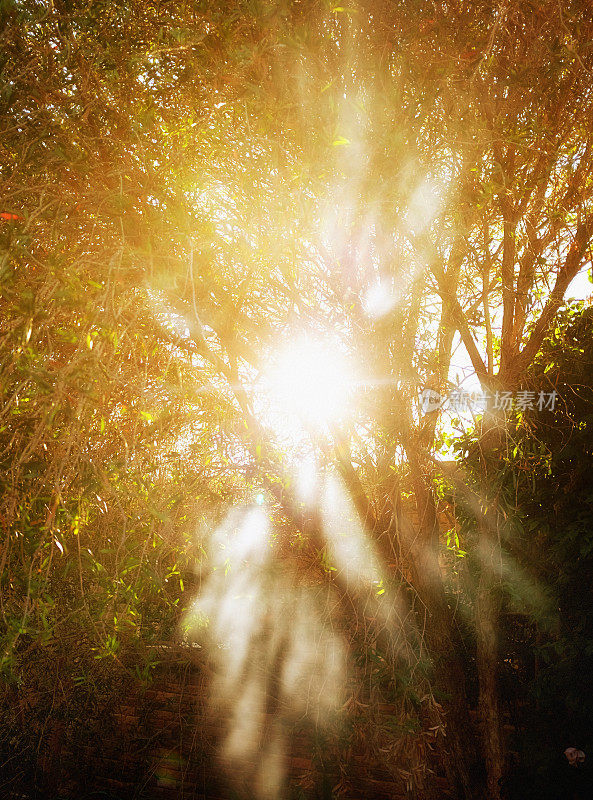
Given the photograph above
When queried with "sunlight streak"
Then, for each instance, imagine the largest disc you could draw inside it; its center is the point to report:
(423, 207)
(349, 545)
(276, 658)
(307, 480)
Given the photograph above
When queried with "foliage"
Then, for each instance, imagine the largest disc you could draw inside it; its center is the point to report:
(558, 511)
(542, 479)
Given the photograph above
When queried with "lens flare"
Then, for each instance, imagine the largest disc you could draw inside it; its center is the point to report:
(379, 299)
(311, 382)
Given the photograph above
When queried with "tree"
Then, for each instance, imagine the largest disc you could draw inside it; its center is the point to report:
(540, 477)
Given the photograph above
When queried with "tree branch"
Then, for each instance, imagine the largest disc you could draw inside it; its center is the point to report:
(565, 275)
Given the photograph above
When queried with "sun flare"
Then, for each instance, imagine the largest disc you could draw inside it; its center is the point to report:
(310, 382)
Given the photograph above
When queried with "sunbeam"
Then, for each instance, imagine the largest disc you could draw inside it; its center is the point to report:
(275, 654)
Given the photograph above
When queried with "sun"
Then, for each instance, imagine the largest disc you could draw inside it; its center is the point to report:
(310, 383)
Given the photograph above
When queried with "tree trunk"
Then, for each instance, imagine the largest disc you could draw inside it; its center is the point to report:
(463, 757)
(444, 645)
(487, 613)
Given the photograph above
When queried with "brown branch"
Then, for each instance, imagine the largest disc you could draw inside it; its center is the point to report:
(453, 307)
(486, 272)
(428, 253)
(507, 270)
(565, 275)
(537, 245)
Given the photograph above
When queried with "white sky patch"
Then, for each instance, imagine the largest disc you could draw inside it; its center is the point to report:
(581, 287)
